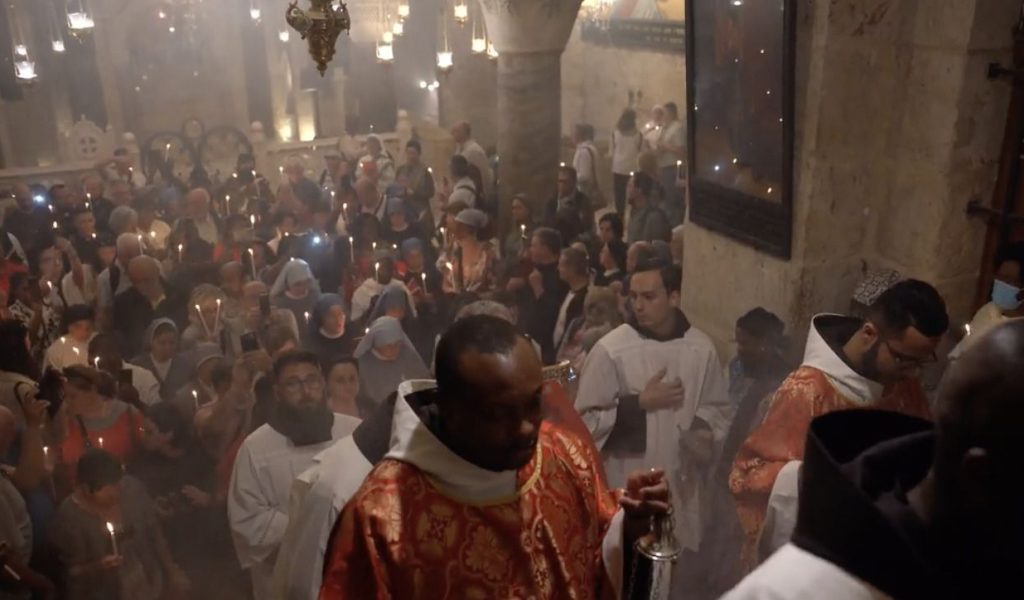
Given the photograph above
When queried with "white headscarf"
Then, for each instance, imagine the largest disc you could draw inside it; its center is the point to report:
(296, 270)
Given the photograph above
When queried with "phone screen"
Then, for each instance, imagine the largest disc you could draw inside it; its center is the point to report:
(249, 342)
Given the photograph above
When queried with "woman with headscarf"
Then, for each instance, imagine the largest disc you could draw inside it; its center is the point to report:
(398, 229)
(329, 333)
(387, 358)
(472, 268)
(161, 357)
(297, 290)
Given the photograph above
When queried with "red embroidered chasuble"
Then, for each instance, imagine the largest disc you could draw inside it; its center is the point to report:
(401, 538)
(804, 395)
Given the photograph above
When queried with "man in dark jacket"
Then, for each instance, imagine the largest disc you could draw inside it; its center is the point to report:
(890, 506)
(544, 295)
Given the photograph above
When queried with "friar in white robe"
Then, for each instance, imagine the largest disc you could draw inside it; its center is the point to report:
(614, 375)
(317, 497)
(270, 459)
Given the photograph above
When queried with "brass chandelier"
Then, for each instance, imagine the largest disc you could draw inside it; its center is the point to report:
(320, 26)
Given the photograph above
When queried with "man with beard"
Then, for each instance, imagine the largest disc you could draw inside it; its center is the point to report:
(477, 498)
(893, 507)
(269, 460)
(848, 363)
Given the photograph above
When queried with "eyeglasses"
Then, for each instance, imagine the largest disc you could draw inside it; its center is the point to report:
(909, 362)
(313, 383)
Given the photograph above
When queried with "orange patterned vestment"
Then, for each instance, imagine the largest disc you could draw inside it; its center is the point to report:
(401, 538)
(804, 395)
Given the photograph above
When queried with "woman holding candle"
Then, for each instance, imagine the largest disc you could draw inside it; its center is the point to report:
(93, 413)
(473, 258)
(206, 318)
(523, 226)
(298, 291)
(108, 541)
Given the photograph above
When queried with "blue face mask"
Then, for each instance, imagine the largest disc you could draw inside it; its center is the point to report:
(1004, 296)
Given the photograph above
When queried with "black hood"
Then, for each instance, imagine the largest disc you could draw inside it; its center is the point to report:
(858, 466)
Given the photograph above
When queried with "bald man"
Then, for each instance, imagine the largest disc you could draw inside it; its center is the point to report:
(370, 200)
(148, 297)
(197, 208)
(892, 507)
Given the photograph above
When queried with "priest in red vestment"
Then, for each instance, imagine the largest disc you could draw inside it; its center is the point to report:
(848, 363)
(478, 499)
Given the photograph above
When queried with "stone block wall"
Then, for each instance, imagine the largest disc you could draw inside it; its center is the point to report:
(897, 128)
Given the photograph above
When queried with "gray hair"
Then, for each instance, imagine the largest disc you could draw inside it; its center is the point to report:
(121, 217)
(203, 292)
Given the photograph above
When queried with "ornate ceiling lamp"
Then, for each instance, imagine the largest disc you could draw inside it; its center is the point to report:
(79, 19)
(320, 26)
(461, 12)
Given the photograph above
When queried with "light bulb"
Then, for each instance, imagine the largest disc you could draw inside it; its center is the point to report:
(388, 37)
(398, 29)
(284, 35)
(254, 13)
(423, 85)
(161, 14)
(403, 10)
(445, 60)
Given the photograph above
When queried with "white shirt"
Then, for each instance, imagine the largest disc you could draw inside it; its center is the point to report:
(625, 152)
(145, 383)
(464, 190)
(560, 323)
(261, 482)
(672, 135)
(585, 163)
(104, 295)
(474, 153)
(62, 353)
(317, 497)
(156, 237)
(795, 574)
(80, 295)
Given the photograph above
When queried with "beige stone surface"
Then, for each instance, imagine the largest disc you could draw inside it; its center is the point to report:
(897, 128)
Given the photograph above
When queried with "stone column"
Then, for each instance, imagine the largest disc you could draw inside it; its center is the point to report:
(529, 36)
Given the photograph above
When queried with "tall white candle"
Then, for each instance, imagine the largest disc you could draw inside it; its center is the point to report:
(113, 536)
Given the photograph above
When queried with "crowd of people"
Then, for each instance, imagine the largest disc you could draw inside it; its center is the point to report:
(218, 389)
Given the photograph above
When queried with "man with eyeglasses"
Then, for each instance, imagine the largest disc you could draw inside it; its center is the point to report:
(848, 363)
(299, 427)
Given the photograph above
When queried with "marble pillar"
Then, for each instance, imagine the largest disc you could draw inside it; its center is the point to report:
(530, 36)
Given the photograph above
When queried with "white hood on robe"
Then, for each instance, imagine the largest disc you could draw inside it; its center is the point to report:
(413, 442)
(821, 356)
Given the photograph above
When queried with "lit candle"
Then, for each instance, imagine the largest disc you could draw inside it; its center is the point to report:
(679, 169)
(110, 528)
(522, 229)
(195, 399)
(227, 204)
(216, 318)
(967, 328)
(77, 352)
(351, 249)
(55, 226)
(94, 236)
(252, 221)
(167, 151)
(87, 205)
(252, 262)
(374, 246)
(96, 363)
(450, 266)
(63, 340)
(376, 270)
(306, 314)
(206, 327)
(423, 276)
(101, 442)
(443, 238)
(181, 248)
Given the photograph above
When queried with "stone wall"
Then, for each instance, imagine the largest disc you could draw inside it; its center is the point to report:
(897, 128)
(597, 80)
